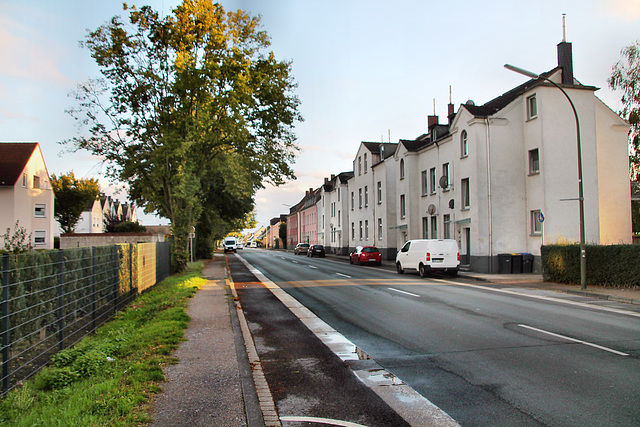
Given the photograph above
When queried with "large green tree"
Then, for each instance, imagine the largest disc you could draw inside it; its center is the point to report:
(626, 78)
(73, 195)
(181, 100)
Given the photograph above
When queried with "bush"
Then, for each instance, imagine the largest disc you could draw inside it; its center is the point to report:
(610, 265)
(130, 227)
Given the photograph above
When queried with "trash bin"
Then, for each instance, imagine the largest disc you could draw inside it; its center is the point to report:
(527, 263)
(504, 263)
(516, 263)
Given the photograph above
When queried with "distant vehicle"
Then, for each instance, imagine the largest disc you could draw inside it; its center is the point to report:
(239, 245)
(301, 248)
(366, 255)
(230, 244)
(316, 250)
(427, 255)
(253, 244)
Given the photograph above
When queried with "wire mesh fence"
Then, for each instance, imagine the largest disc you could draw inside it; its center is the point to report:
(51, 299)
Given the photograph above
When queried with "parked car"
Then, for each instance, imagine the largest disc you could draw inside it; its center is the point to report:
(316, 250)
(253, 244)
(427, 255)
(366, 255)
(239, 245)
(301, 248)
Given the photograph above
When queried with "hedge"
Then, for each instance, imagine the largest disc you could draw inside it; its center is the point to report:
(610, 265)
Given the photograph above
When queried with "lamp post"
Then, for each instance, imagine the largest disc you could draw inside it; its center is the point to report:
(583, 252)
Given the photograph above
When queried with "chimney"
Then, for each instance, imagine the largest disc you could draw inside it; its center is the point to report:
(451, 111)
(432, 121)
(565, 57)
(333, 177)
(326, 181)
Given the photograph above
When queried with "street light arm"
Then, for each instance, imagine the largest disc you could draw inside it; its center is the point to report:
(521, 71)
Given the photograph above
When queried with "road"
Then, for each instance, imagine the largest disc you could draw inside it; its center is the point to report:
(484, 357)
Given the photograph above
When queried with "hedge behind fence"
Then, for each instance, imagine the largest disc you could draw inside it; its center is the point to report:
(610, 265)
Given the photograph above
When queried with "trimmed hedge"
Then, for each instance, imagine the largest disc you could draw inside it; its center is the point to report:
(610, 265)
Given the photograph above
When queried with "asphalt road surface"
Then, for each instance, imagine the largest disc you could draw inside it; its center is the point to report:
(484, 357)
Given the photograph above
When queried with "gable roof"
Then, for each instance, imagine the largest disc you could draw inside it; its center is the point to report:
(13, 159)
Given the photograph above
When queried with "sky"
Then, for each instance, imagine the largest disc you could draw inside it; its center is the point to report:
(367, 70)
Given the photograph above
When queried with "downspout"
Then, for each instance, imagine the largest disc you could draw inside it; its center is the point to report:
(490, 207)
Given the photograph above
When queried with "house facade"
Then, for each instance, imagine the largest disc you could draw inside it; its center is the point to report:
(25, 193)
(333, 215)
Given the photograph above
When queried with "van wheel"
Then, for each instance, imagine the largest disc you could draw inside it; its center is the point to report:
(399, 268)
(453, 273)
(423, 271)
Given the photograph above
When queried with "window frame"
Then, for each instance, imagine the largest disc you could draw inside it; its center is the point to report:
(424, 182)
(536, 225)
(534, 165)
(465, 193)
(39, 235)
(36, 210)
(401, 169)
(464, 144)
(403, 207)
(532, 107)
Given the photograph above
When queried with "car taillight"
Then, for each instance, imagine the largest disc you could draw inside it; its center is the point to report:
(458, 256)
(428, 256)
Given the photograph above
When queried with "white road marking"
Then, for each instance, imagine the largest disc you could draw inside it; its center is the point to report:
(343, 275)
(326, 421)
(404, 292)
(542, 331)
(312, 266)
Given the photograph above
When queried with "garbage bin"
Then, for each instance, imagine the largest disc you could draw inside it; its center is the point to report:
(516, 263)
(504, 263)
(527, 263)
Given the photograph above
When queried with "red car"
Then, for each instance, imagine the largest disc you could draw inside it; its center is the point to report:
(366, 255)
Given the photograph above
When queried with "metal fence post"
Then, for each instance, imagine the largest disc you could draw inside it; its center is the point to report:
(131, 270)
(60, 309)
(4, 316)
(116, 277)
(93, 288)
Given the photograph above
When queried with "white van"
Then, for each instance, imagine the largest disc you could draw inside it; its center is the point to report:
(430, 255)
(230, 244)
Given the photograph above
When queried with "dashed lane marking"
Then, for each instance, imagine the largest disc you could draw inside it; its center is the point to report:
(404, 292)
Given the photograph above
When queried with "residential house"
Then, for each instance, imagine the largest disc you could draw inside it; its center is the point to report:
(25, 193)
(273, 236)
(333, 215)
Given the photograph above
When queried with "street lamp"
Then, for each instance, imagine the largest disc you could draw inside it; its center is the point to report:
(583, 252)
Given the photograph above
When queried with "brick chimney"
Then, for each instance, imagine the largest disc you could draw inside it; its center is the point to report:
(432, 121)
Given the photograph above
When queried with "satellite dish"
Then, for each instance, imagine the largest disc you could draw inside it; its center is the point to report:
(431, 209)
(452, 204)
(444, 181)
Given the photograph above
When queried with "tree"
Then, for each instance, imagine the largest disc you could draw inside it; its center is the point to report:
(72, 197)
(181, 99)
(626, 77)
(282, 232)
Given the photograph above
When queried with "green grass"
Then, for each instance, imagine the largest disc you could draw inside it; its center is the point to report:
(109, 377)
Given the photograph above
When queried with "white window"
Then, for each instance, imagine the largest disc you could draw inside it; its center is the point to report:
(447, 229)
(379, 192)
(360, 198)
(366, 229)
(36, 181)
(360, 230)
(401, 168)
(380, 228)
(339, 218)
(25, 180)
(423, 176)
(464, 189)
(432, 180)
(366, 196)
(40, 210)
(402, 207)
(536, 225)
(434, 227)
(445, 174)
(532, 107)
(353, 231)
(425, 227)
(352, 201)
(365, 162)
(534, 162)
(359, 165)
(39, 238)
(464, 144)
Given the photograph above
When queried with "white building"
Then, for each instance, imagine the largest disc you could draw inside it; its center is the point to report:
(333, 215)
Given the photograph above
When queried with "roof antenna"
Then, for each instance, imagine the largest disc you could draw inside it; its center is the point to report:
(564, 28)
(435, 112)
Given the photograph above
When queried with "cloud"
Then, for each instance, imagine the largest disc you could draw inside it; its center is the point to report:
(627, 10)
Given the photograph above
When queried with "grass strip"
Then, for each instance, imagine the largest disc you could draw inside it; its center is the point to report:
(109, 377)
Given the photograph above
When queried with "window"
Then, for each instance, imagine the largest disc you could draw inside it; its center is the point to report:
(366, 196)
(39, 238)
(447, 229)
(40, 210)
(532, 107)
(434, 227)
(534, 162)
(338, 194)
(365, 162)
(352, 201)
(432, 180)
(360, 198)
(401, 168)
(423, 180)
(536, 225)
(425, 227)
(359, 165)
(402, 207)
(379, 192)
(464, 189)
(464, 144)
(353, 231)
(445, 174)
(366, 229)
(339, 218)
(379, 228)
(36, 181)
(360, 230)
(25, 180)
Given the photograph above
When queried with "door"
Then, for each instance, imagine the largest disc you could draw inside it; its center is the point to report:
(466, 260)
